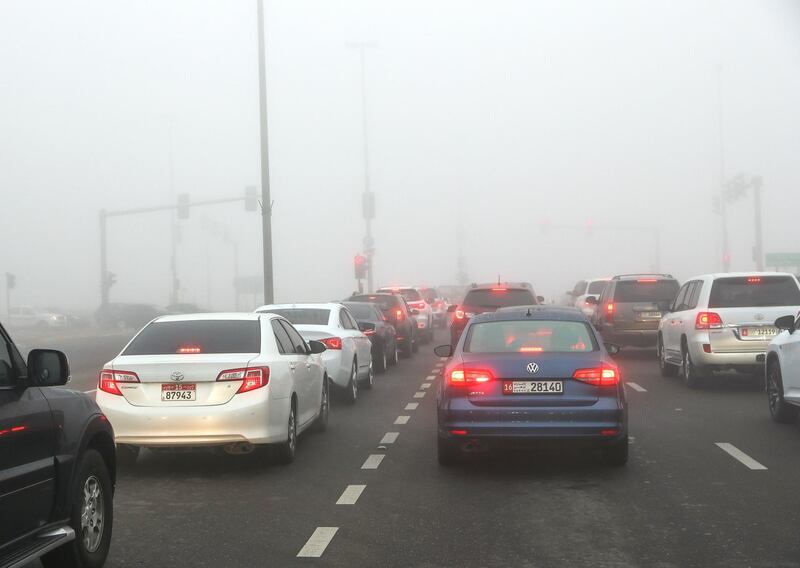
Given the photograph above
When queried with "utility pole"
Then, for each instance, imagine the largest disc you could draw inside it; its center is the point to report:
(758, 250)
(368, 199)
(266, 200)
(103, 260)
(174, 291)
(726, 254)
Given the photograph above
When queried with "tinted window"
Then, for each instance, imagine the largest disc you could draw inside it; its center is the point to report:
(202, 336)
(596, 287)
(345, 321)
(502, 298)
(530, 336)
(302, 316)
(429, 294)
(282, 338)
(638, 291)
(765, 291)
(579, 289)
(7, 375)
(353, 324)
(362, 311)
(678, 304)
(409, 294)
(691, 302)
(386, 302)
(297, 340)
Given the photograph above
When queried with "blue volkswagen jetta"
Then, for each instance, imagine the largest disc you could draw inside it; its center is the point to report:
(531, 376)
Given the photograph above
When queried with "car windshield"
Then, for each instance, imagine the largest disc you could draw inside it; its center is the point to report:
(645, 290)
(499, 298)
(197, 337)
(302, 316)
(386, 302)
(754, 291)
(530, 336)
(410, 294)
(597, 287)
(361, 311)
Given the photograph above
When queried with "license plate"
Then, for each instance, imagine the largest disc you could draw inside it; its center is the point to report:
(650, 315)
(533, 387)
(759, 332)
(170, 392)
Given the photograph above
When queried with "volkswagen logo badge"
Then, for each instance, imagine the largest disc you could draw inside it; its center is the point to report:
(759, 317)
(176, 376)
(533, 368)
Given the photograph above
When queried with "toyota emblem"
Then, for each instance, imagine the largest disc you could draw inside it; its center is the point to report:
(533, 368)
(176, 376)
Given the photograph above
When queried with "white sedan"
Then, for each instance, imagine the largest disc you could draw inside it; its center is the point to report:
(348, 357)
(230, 380)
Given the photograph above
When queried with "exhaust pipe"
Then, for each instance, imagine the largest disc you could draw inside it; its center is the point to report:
(239, 448)
(473, 446)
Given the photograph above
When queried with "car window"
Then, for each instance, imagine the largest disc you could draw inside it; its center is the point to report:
(678, 305)
(350, 320)
(282, 338)
(530, 336)
(385, 301)
(596, 287)
(345, 321)
(646, 290)
(302, 316)
(579, 289)
(499, 297)
(297, 340)
(362, 311)
(7, 374)
(691, 303)
(754, 291)
(193, 337)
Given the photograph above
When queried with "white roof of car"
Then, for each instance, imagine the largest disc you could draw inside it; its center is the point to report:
(716, 275)
(243, 316)
(311, 306)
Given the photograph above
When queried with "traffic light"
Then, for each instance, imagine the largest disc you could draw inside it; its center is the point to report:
(360, 266)
(250, 198)
(183, 206)
(111, 279)
(11, 281)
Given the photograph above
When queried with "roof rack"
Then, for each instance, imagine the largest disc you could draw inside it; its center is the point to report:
(618, 276)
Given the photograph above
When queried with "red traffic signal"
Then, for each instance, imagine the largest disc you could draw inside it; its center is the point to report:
(360, 266)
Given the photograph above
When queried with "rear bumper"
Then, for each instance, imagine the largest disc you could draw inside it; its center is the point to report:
(751, 360)
(253, 417)
(338, 370)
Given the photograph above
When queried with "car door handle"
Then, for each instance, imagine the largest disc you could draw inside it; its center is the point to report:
(292, 366)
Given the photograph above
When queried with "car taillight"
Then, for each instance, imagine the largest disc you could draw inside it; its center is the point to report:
(464, 376)
(603, 376)
(417, 305)
(332, 342)
(460, 315)
(398, 314)
(109, 379)
(609, 311)
(252, 378)
(708, 320)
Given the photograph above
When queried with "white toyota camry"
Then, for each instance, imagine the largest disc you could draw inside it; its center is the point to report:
(229, 380)
(348, 358)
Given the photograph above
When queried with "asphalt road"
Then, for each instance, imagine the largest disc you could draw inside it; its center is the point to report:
(682, 500)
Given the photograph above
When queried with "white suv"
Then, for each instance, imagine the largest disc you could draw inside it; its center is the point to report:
(783, 370)
(724, 322)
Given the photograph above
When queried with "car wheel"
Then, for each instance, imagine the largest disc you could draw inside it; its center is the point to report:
(285, 452)
(667, 369)
(370, 380)
(689, 372)
(91, 517)
(321, 423)
(616, 454)
(446, 452)
(406, 350)
(381, 359)
(393, 356)
(351, 391)
(127, 455)
(781, 411)
(415, 345)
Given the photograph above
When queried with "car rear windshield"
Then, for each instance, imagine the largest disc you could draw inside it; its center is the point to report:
(361, 311)
(410, 294)
(646, 290)
(196, 337)
(303, 316)
(754, 291)
(499, 298)
(386, 302)
(530, 336)
(596, 287)
(429, 294)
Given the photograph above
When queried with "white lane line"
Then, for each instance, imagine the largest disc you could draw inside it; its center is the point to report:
(739, 455)
(430, 377)
(636, 387)
(91, 391)
(425, 386)
(402, 420)
(442, 359)
(411, 406)
(373, 461)
(390, 437)
(351, 494)
(419, 394)
(317, 543)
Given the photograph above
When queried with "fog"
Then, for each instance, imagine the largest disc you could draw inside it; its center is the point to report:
(521, 121)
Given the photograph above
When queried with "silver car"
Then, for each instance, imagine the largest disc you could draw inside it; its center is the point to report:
(724, 322)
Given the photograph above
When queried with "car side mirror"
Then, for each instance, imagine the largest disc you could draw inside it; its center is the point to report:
(443, 350)
(316, 347)
(365, 326)
(612, 348)
(48, 368)
(785, 322)
(591, 300)
(452, 307)
(540, 299)
(414, 312)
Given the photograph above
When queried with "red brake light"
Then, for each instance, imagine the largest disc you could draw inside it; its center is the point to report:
(398, 314)
(647, 280)
(189, 349)
(252, 378)
(109, 379)
(460, 315)
(332, 342)
(531, 349)
(708, 320)
(754, 280)
(499, 289)
(603, 376)
(462, 376)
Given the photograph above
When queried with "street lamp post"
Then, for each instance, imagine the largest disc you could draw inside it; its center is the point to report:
(266, 200)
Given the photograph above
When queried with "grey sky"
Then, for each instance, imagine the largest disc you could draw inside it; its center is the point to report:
(509, 112)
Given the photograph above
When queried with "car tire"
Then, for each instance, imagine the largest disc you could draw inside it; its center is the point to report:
(781, 411)
(667, 369)
(285, 452)
(446, 452)
(321, 423)
(689, 372)
(415, 345)
(91, 494)
(382, 360)
(351, 391)
(127, 455)
(617, 453)
(406, 349)
(393, 355)
(369, 382)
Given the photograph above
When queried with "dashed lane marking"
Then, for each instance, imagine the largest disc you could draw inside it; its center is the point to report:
(373, 461)
(317, 543)
(351, 494)
(636, 387)
(90, 391)
(430, 377)
(419, 394)
(425, 386)
(402, 420)
(739, 455)
(390, 437)
(411, 406)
